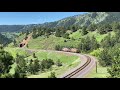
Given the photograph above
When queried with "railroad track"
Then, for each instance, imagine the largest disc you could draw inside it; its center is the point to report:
(79, 69)
(85, 68)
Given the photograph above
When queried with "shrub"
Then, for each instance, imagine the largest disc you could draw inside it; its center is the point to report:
(58, 63)
(52, 75)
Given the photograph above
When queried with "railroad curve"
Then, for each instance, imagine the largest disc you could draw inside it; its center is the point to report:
(87, 64)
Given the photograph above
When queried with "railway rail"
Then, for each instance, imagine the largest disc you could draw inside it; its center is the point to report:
(79, 69)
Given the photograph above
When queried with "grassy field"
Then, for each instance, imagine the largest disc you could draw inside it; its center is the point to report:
(98, 36)
(58, 70)
(14, 51)
(69, 61)
(64, 58)
(101, 72)
(51, 42)
(76, 35)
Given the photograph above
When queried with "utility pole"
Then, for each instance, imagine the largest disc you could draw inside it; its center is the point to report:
(96, 66)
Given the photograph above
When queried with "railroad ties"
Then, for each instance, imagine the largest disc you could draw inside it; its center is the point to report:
(79, 69)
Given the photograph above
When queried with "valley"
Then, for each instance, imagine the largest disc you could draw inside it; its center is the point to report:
(80, 46)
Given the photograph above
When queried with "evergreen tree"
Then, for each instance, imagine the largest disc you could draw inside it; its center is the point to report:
(66, 35)
(27, 32)
(116, 26)
(14, 42)
(105, 58)
(58, 63)
(92, 27)
(114, 71)
(107, 41)
(6, 61)
(84, 31)
(34, 35)
(58, 33)
(74, 28)
(34, 56)
(94, 44)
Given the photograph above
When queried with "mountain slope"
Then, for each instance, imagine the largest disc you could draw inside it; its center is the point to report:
(16, 28)
(79, 20)
(86, 19)
(4, 40)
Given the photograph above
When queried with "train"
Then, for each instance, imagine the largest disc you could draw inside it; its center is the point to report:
(73, 50)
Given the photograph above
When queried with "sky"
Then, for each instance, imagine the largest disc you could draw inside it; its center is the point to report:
(20, 18)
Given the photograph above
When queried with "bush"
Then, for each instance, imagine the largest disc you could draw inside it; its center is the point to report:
(34, 56)
(7, 75)
(65, 40)
(52, 75)
(58, 63)
(105, 58)
(46, 64)
(58, 47)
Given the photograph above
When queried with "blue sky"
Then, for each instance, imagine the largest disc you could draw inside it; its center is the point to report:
(10, 18)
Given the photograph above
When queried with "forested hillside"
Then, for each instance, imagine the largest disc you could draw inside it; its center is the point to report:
(4, 40)
(77, 20)
(94, 33)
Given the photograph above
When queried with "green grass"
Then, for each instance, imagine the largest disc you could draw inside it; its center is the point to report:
(12, 71)
(50, 43)
(76, 35)
(101, 72)
(58, 70)
(98, 36)
(14, 51)
(69, 61)
(64, 58)
(96, 52)
(20, 38)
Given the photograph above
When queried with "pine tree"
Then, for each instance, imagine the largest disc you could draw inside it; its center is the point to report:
(84, 31)
(34, 56)
(105, 58)
(114, 71)
(58, 33)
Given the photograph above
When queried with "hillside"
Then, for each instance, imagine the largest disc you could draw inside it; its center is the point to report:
(4, 40)
(95, 33)
(77, 20)
(15, 28)
(86, 19)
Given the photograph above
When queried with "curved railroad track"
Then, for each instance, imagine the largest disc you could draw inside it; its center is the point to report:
(79, 69)
(86, 65)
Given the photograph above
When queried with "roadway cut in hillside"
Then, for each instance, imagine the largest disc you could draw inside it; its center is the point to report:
(25, 41)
